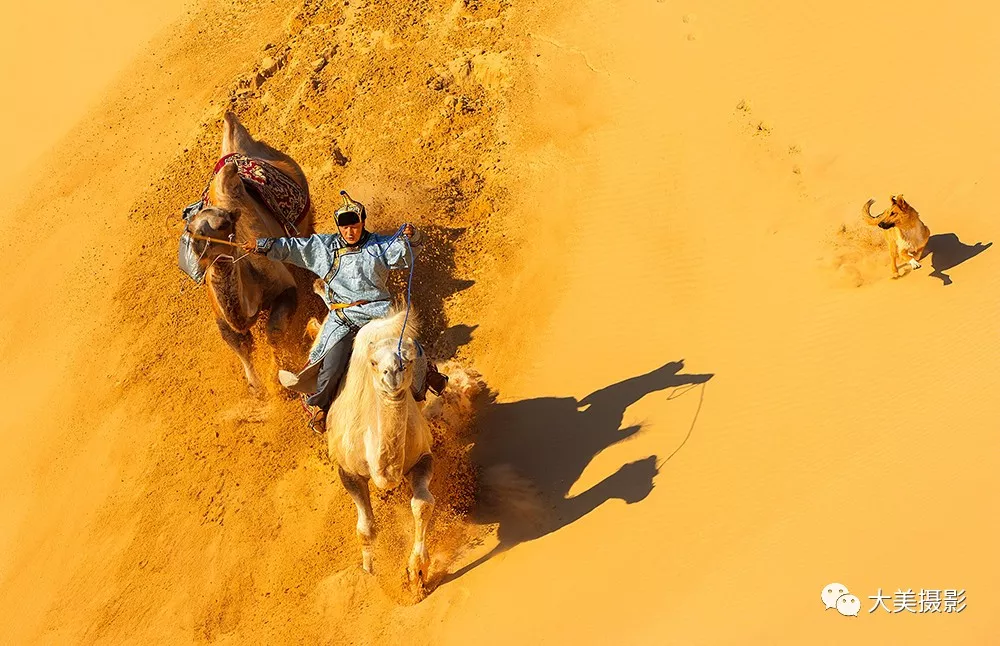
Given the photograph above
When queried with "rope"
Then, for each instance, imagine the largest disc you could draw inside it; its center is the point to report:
(221, 255)
(409, 284)
(195, 236)
(409, 288)
(677, 392)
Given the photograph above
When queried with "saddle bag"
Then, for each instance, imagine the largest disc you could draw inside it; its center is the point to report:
(187, 259)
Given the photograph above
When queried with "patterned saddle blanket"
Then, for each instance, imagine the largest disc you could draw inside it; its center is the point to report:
(274, 188)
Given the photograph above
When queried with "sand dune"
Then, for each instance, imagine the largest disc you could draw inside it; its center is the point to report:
(710, 398)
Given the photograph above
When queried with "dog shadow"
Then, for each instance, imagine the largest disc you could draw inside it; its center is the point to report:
(947, 252)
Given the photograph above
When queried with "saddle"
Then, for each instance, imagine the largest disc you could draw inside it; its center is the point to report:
(279, 192)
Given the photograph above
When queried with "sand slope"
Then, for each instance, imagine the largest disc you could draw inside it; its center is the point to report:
(644, 222)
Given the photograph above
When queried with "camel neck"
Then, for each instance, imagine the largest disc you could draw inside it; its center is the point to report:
(225, 284)
(392, 423)
(221, 273)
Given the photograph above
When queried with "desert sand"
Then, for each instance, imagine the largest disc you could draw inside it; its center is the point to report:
(645, 235)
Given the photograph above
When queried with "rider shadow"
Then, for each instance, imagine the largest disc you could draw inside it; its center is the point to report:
(548, 442)
(449, 341)
(434, 279)
(947, 252)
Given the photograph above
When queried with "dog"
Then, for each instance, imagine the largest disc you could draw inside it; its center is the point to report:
(904, 231)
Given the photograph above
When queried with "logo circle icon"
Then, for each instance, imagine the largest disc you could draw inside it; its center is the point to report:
(831, 593)
(848, 605)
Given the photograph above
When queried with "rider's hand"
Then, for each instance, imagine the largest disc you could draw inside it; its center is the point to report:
(408, 230)
(250, 246)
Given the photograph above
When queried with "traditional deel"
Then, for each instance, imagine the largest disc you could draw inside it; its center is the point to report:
(351, 273)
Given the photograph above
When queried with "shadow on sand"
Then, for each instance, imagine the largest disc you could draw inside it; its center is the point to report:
(549, 441)
(434, 280)
(947, 252)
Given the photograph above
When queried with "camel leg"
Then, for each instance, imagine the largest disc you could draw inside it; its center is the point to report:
(357, 487)
(422, 505)
(282, 310)
(242, 344)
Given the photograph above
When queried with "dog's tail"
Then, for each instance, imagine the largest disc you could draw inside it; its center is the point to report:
(866, 211)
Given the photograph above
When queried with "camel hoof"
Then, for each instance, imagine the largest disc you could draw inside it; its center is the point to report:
(253, 381)
(418, 585)
(416, 571)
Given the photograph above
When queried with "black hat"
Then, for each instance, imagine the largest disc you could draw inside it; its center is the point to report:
(350, 212)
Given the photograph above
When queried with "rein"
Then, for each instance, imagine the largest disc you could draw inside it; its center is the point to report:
(195, 236)
(229, 242)
(409, 288)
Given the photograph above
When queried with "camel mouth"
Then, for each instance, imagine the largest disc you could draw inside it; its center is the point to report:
(392, 395)
(206, 251)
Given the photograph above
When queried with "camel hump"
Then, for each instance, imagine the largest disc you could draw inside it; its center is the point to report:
(235, 137)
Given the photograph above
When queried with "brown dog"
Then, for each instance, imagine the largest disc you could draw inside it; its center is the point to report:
(905, 233)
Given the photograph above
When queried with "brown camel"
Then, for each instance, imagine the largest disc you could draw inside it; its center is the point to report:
(241, 288)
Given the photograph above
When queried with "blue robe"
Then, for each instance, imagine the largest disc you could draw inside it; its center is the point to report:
(351, 273)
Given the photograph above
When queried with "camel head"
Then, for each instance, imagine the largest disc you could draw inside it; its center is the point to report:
(392, 376)
(218, 220)
(212, 222)
(392, 372)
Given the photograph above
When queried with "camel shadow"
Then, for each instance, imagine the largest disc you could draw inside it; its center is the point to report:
(947, 252)
(542, 446)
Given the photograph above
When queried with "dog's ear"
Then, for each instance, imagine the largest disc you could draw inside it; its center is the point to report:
(900, 201)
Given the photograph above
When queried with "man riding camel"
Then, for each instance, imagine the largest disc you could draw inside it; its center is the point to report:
(353, 265)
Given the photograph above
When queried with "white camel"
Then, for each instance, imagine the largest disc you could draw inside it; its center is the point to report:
(376, 431)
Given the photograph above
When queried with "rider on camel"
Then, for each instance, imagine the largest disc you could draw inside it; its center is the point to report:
(353, 265)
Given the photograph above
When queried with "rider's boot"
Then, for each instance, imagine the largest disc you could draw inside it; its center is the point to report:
(436, 381)
(318, 422)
